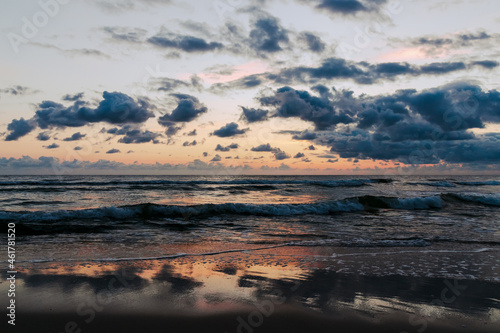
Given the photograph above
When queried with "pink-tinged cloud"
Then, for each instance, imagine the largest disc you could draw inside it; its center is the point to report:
(236, 72)
(420, 53)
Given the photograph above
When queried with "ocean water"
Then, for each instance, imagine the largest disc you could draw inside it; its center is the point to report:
(106, 218)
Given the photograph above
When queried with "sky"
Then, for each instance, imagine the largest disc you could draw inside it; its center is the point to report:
(230, 87)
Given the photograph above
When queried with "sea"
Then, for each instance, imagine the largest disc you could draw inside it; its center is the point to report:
(117, 218)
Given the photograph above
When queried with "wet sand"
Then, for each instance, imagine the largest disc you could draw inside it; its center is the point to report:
(293, 289)
(283, 320)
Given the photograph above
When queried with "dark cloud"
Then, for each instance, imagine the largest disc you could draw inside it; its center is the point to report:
(360, 72)
(115, 108)
(216, 158)
(19, 128)
(17, 90)
(365, 73)
(75, 137)
(313, 42)
(437, 42)
(311, 147)
(350, 7)
(442, 68)
(305, 135)
(172, 130)
(299, 155)
(251, 115)
(433, 44)
(184, 43)
(280, 155)
(288, 102)
(408, 126)
(72, 98)
(489, 64)
(264, 147)
(113, 151)
(229, 130)
(477, 36)
(52, 146)
(168, 84)
(267, 35)
(188, 144)
(227, 148)
(188, 109)
(77, 148)
(138, 136)
(192, 133)
(246, 82)
(43, 136)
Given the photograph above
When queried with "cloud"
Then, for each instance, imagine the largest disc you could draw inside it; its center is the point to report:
(216, 158)
(113, 151)
(120, 6)
(229, 130)
(125, 34)
(280, 155)
(299, 155)
(192, 133)
(73, 98)
(251, 115)
(311, 147)
(115, 108)
(288, 102)
(52, 146)
(188, 109)
(426, 127)
(264, 147)
(78, 148)
(227, 148)
(350, 7)
(137, 136)
(246, 82)
(457, 40)
(188, 144)
(168, 84)
(19, 128)
(267, 35)
(172, 130)
(184, 43)
(54, 166)
(305, 135)
(18, 90)
(75, 137)
(488, 64)
(365, 73)
(43, 136)
(313, 42)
